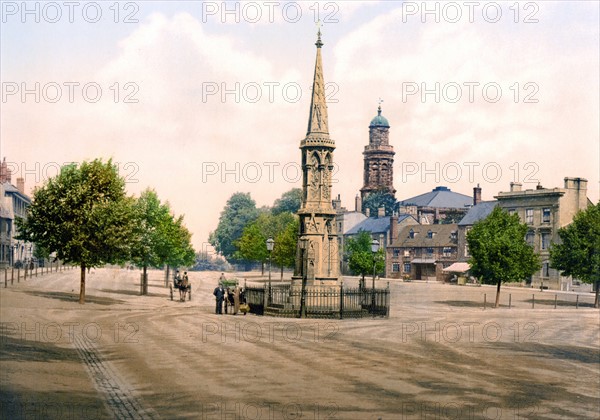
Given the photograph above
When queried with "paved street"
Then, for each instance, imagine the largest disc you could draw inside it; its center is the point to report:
(439, 355)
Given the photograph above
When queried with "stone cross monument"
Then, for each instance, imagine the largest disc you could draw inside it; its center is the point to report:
(317, 250)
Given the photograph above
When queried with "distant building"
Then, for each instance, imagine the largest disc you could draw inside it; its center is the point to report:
(383, 229)
(378, 173)
(13, 204)
(545, 210)
(441, 205)
(421, 252)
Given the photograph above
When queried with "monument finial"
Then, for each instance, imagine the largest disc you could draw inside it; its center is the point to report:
(319, 44)
(379, 107)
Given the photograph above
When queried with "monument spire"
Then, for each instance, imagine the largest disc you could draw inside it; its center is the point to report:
(317, 120)
(317, 259)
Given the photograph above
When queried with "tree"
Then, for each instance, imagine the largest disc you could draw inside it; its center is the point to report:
(360, 257)
(284, 251)
(159, 238)
(578, 253)
(238, 212)
(252, 244)
(376, 200)
(83, 215)
(499, 252)
(290, 201)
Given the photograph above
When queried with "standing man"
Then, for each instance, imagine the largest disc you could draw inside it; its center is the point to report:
(222, 278)
(219, 293)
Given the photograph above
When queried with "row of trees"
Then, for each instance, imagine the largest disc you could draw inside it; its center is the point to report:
(499, 252)
(84, 217)
(243, 229)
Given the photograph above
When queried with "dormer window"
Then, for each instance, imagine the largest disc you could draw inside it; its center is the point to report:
(411, 234)
(429, 234)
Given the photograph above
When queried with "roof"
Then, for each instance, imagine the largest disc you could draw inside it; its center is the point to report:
(11, 189)
(442, 236)
(372, 225)
(458, 267)
(477, 213)
(439, 197)
(379, 120)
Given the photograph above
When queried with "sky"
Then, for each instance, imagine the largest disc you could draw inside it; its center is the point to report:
(200, 100)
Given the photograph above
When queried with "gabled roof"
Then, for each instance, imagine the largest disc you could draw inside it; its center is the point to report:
(439, 197)
(10, 189)
(372, 225)
(478, 212)
(442, 236)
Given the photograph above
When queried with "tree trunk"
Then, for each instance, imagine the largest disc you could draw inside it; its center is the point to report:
(144, 282)
(167, 276)
(82, 285)
(498, 294)
(597, 289)
(281, 272)
(262, 268)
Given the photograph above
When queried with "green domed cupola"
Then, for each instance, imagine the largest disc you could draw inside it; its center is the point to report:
(379, 120)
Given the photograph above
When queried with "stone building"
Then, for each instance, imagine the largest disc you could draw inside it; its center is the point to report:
(440, 205)
(545, 210)
(422, 252)
(378, 172)
(13, 203)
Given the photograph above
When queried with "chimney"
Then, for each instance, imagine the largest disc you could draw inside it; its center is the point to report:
(381, 212)
(357, 203)
(21, 185)
(515, 186)
(368, 212)
(476, 195)
(5, 173)
(539, 186)
(580, 187)
(393, 228)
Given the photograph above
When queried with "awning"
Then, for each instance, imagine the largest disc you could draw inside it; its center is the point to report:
(423, 261)
(458, 267)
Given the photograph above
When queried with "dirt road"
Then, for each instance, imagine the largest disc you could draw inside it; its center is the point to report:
(439, 355)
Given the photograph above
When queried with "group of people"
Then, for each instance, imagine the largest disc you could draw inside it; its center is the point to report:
(230, 298)
(183, 284)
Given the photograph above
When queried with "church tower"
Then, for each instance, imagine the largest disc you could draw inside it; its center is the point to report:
(379, 158)
(317, 251)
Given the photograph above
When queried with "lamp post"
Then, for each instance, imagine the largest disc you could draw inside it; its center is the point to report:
(270, 244)
(303, 241)
(374, 250)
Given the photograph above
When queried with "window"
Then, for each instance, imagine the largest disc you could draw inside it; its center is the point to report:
(396, 252)
(467, 250)
(529, 238)
(407, 268)
(453, 235)
(546, 215)
(395, 267)
(430, 234)
(429, 252)
(546, 269)
(406, 253)
(447, 251)
(545, 240)
(511, 211)
(411, 234)
(529, 216)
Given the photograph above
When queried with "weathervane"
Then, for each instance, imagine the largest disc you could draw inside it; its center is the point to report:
(319, 44)
(379, 107)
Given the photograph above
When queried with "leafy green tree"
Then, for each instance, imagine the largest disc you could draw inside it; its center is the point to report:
(83, 215)
(578, 254)
(238, 212)
(360, 257)
(499, 252)
(378, 199)
(150, 246)
(284, 251)
(290, 202)
(252, 244)
(159, 238)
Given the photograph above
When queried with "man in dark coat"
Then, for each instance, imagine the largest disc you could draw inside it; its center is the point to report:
(219, 293)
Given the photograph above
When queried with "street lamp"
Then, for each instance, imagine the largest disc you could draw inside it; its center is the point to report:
(303, 244)
(374, 250)
(270, 244)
